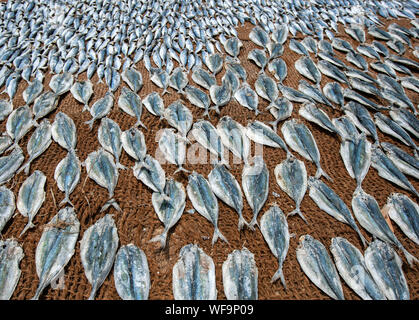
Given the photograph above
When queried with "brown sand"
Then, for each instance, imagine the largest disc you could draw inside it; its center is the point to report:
(138, 223)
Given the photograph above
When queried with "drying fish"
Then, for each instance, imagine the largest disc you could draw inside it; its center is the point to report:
(275, 50)
(131, 273)
(383, 68)
(109, 136)
(360, 99)
(399, 100)
(101, 108)
(97, 250)
(327, 200)
(5, 109)
(262, 134)
(194, 275)
(19, 123)
(154, 104)
(389, 171)
(151, 174)
(7, 206)
(179, 117)
(356, 155)
(174, 148)
(368, 214)
(294, 95)
(240, 276)
(31, 197)
(297, 47)
(206, 134)
(266, 88)
(178, 80)
(247, 98)
(234, 137)
(255, 183)
(204, 201)
(351, 266)
(404, 161)
(310, 44)
(291, 176)
(32, 91)
(333, 72)
(365, 87)
(361, 118)
(259, 37)
(356, 32)
(61, 83)
(56, 247)
(318, 266)
(380, 48)
(11, 254)
(385, 266)
(5, 142)
(112, 79)
(333, 91)
(169, 207)
(101, 168)
(203, 78)
(45, 104)
(220, 95)
(279, 69)
(67, 175)
(38, 143)
(342, 45)
(368, 51)
(232, 47)
(259, 58)
(130, 103)
(411, 83)
(133, 79)
(237, 68)
(10, 163)
(281, 109)
(232, 79)
(332, 60)
(198, 98)
(357, 60)
(226, 187)
(407, 120)
(274, 228)
(133, 142)
(354, 73)
(82, 92)
(301, 140)
(325, 47)
(306, 67)
(314, 93)
(214, 62)
(63, 131)
(160, 78)
(280, 34)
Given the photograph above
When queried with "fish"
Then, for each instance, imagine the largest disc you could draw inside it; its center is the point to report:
(133, 79)
(151, 174)
(240, 276)
(342, 45)
(297, 47)
(327, 200)
(179, 117)
(365, 87)
(160, 78)
(232, 46)
(193, 275)
(281, 109)
(380, 48)
(314, 93)
(259, 58)
(56, 247)
(10, 163)
(11, 253)
(101, 108)
(7, 206)
(133, 142)
(131, 273)
(406, 120)
(247, 98)
(319, 267)
(44, 105)
(326, 47)
(112, 79)
(225, 187)
(332, 60)
(5, 109)
(101, 168)
(310, 44)
(255, 184)
(352, 268)
(405, 213)
(5, 142)
(404, 161)
(204, 201)
(154, 104)
(32, 91)
(169, 207)
(263, 134)
(237, 68)
(31, 197)
(214, 63)
(280, 34)
(333, 92)
(259, 37)
(198, 98)
(130, 103)
(178, 80)
(306, 67)
(61, 83)
(63, 131)
(278, 68)
(97, 251)
(411, 83)
(361, 100)
(385, 266)
(203, 78)
(362, 119)
(109, 136)
(275, 50)
(294, 95)
(357, 60)
(332, 72)
(389, 171)
(207, 136)
(368, 51)
(174, 148)
(67, 176)
(356, 155)
(220, 95)
(369, 216)
(38, 143)
(301, 140)
(18, 123)
(266, 88)
(356, 32)
(82, 91)
(233, 136)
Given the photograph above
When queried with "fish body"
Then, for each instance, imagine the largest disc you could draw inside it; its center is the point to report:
(101, 108)
(234, 137)
(7, 206)
(82, 91)
(67, 175)
(109, 136)
(63, 131)
(151, 174)
(130, 103)
(11, 253)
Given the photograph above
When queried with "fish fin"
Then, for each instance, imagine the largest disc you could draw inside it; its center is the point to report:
(39, 290)
(161, 238)
(25, 168)
(279, 275)
(409, 257)
(320, 172)
(140, 123)
(274, 125)
(298, 211)
(254, 223)
(181, 169)
(225, 162)
(242, 223)
(90, 123)
(111, 202)
(66, 200)
(86, 108)
(218, 234)
(216, 108)
(27, 227)
(120, 166)
(93, 293)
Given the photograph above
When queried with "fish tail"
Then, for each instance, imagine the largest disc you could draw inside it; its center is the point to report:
(90, 123)
(38, 291)
(161, 238)
(181, 169)
(242, 223)
(225, 162)
(140, 123)
(320, 172)
(93, 293)
(25, 168)
(216, 108)
(66, 200)
(274, 124)
(253, 223)
(298, 211)
(111, 202)
(27, 227)
(14, 145)
(86, 108)
(409, 257)
(279, 275)
(120, 166)
(218, 234)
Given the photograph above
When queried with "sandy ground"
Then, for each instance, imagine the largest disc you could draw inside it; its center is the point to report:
(138, 222)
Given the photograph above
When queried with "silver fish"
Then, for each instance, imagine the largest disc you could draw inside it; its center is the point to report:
(32, 91)
(56, 247)
(194, 275)
(7, 206)
(204, 201)
(313, 92)
(97, 250)
(240, 276)
(130, 103)
(154, 104)
(294, 95)
(178, 80)
(5, 142)
(101, 108)
(112, 79)
(407, 120)
(356, 32)
(342, 45)
(411, 83)
(169, 207)
(133, 142)
(234, 137)
(161, 79)
(263, 134)
(214, 62)
(5, 109)
(82, 91)
(310, 112)
(109, 136)
(266, 88)
(259, 58)
(61, 83)
(45, 104)
(297, 47)
(203, 78)
(318, 266)
(233, 80)
(220, 95)
(67, 175)
(333, 72)
(10, 163)
(232, 46)
(173, 147)
(280, 34)
(281, 109)
(133, 79)
(259, 37)
(207, 135)
(404, 161)
(306, 67)
(198, 98)
(179, 117)
(247, 98)
(131, 273)
(361, 118)
(310, 44)
(31, 197)
(11, 254)
(278, 68)
(63, 131)
(151, 174)
(19, 123)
